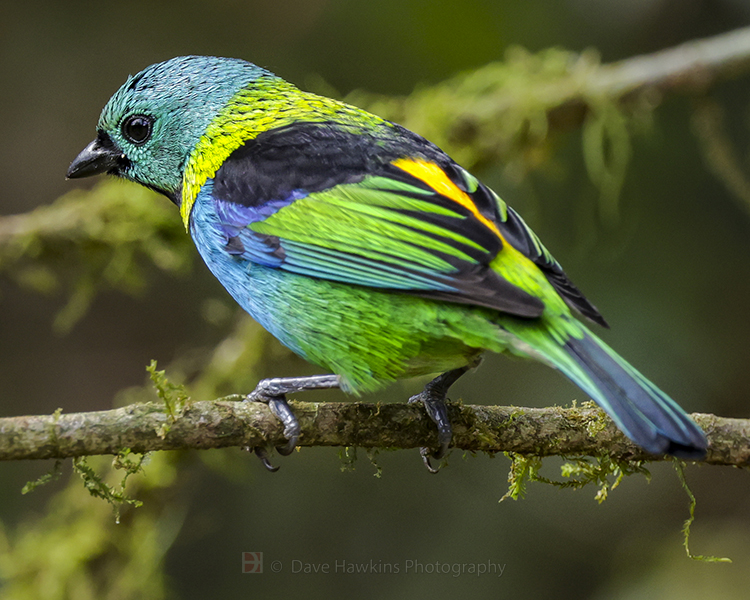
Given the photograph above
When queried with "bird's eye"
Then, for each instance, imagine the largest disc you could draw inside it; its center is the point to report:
(137, 129)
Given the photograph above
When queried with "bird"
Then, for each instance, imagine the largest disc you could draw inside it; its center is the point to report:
(361, 246)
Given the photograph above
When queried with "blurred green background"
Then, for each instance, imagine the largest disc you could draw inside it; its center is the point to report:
(672, 277)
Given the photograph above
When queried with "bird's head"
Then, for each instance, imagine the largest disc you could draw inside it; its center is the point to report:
(150, 126)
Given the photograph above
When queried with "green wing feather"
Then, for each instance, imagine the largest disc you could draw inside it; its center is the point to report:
(390, 233)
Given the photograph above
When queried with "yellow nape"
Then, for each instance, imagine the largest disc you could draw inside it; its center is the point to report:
(264, 105)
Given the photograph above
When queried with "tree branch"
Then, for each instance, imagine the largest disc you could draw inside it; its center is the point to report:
(580, 431)
(502, 110)
(687, 68)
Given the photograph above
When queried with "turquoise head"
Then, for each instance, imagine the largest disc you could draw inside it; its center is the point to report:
(150, 126)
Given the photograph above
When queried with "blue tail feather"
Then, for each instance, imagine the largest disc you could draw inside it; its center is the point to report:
(641, 410)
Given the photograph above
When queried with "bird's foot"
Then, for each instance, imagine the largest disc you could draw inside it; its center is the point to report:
(273, 393)
(437, 410)
(433, 398)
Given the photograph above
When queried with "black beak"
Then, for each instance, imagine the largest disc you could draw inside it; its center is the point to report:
(100, 156)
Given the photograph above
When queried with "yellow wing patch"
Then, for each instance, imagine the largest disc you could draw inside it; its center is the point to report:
(436, 178)
(509, 263)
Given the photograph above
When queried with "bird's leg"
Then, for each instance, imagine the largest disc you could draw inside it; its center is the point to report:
(433, 398)
(273, 393)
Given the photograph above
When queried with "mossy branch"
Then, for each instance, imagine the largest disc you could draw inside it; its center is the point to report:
(506, 111)
(579, 431)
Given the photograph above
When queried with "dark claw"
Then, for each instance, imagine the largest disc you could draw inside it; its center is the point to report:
(283, 412)
(438, 412)
(273, 393)
(433, 398)
(425, 453)
(261, 453)
(434, 404)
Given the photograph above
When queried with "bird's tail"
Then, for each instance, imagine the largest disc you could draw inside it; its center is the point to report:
(640, 409)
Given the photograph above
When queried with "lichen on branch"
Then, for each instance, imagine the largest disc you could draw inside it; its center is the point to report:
(147, 427)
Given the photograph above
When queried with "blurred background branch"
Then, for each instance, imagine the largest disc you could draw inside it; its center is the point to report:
(489, 113)
(509, 112)
(87, 241)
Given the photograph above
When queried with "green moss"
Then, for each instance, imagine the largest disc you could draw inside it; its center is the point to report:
(52, 475)
(174, 396)
(598, 471)
(98, 488)
(348, 457)
(372, 455)
(77, 550)
(522, 470)
(579, 472)
(680, 468)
